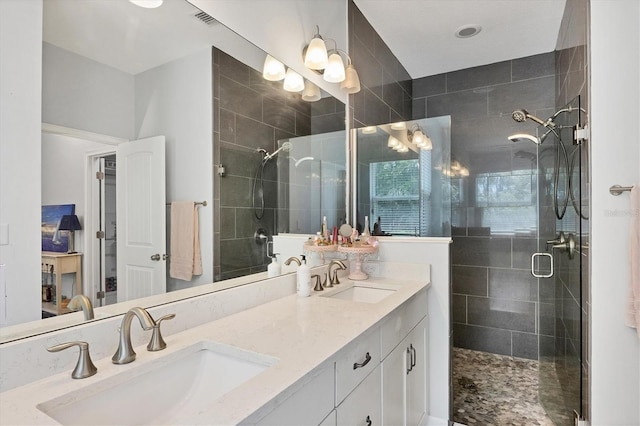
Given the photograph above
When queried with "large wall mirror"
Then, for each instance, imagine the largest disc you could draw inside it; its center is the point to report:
(113, 73)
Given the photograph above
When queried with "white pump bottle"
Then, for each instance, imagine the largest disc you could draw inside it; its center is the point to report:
(303, 276)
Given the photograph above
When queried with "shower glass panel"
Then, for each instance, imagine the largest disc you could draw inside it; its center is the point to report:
(563, 216)
(312, 183)
(403, 178)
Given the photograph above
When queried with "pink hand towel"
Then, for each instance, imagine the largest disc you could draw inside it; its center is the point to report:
(633, 305)
(185, 260)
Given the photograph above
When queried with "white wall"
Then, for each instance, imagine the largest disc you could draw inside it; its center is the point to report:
(84, 94)
(176, 100)
(20, 118)
(615, 153)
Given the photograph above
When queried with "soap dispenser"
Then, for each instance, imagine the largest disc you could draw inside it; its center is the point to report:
(303, 276)
(273, 270)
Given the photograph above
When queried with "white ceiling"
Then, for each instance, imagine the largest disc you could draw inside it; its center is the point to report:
(419, 32)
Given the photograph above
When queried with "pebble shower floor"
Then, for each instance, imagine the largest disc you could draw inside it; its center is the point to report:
(498, 390)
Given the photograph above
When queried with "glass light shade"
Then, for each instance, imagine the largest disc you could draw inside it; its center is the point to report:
(148, 4)
(316, 57)
(334, 73)
(273, 69)
(400, 125)
(369, 130)
(311, 92)
(293, 82)
(351, 83)
(418, 138)
(427, 144)
(403, 148)
(393, 142)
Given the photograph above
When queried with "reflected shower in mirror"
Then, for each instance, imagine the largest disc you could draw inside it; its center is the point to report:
(403, 177)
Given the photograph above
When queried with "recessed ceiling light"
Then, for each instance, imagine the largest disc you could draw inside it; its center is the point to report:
(467, 31)
(148, 4)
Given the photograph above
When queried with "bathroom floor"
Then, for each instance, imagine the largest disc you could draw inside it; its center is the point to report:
(495, 390)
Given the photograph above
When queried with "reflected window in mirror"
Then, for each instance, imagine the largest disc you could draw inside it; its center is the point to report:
(403, 178)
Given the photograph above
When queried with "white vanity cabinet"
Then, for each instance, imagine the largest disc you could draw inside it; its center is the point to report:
(362, 406)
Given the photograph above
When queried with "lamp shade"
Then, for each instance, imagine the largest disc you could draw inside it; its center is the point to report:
(273, 69)
(351, 83)
(315, 57)
(69, 222)
(293, 82)
(147, 4)
(311, 92)
(428, 145)
(334, 73)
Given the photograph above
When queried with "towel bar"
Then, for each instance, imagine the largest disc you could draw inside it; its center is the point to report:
(197, 203)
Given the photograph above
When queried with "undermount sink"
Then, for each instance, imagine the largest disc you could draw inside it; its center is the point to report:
(362, 293)
(164, 391)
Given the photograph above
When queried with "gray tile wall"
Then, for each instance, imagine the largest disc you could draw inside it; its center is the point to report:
(495, 301)
(252, 113)
(385, 95)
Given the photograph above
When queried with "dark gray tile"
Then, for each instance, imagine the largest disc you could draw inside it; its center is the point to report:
(326, 105)
(393, 94)
(459, 308)
(303, 124)
(254, 134)
(327, 123)
(294, 101)
(236, 254)
(465, 104)
(512, 284)
(278, 115)
(486, 75)
(525, 345)
(501, 313)
(482, 339)
(546, 319)
(235, 191)
(481, 251)
(469, 280)
(523, 248)
(240, 99)
(531, 94)
(232, 68)
(227, 126)
(533, 66)
(361, 28)
(227, 223)
(429, 86)
(369, 69)
(238, 160)
(546, 347)
(375, 111)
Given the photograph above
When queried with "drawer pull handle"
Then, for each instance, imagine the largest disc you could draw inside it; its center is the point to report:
(369, 422)
(367, 358)
(409, 359)
(414, 356)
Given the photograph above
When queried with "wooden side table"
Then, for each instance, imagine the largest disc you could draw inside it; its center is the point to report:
(63, 263)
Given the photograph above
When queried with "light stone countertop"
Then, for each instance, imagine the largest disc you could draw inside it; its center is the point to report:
(303, 335)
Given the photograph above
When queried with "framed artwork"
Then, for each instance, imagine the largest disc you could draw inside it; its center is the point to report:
(51, 216)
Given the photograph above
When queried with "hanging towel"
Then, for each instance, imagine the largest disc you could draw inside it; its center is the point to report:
(633, 305)
(185, 260)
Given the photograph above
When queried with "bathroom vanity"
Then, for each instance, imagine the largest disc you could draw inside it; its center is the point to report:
(354, 354)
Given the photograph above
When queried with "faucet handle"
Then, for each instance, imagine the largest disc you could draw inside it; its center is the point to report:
(84, 367)
(157, 343)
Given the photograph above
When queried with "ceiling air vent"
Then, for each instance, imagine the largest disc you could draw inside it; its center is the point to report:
(206, 18)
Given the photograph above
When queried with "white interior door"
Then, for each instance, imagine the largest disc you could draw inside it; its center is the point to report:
(140, 213)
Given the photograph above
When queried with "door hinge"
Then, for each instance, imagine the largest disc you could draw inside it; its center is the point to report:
(580, 134)
(100, 295)
(99, 235)
(100, 175)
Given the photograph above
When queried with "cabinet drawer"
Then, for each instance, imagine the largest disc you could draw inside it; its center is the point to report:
(401, 321)
(355, 355)
(363, 406)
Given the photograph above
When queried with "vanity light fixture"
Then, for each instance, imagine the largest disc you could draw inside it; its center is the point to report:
(311, 92)
(392, 142)
(315, 54)
(293, 82)
(334, 72)
(418, 137)
(400, 125)
(273, 69)
(369, 130)
(147, 4)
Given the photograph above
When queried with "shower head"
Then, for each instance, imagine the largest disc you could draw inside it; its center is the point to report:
(521, 115)
(522, 137)
(286, 147)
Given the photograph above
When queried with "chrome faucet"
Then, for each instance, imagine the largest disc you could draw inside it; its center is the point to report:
(84, 367)
(333, 278)
(125, 353)
(81, 302)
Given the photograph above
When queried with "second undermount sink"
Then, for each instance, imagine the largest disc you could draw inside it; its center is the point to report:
(362, 293)
(164, 391)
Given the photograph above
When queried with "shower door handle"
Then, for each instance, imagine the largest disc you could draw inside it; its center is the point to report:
(155, 257)
(533, 265)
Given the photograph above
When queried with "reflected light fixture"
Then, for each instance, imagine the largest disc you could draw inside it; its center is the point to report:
(147, 4)
(351, 83)
(369, 130)
(293, 82)
(334, 72)
(315, 54)
(417, 136)
(273, 69)
(400, 125)
(311, 92)
(392, 142)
